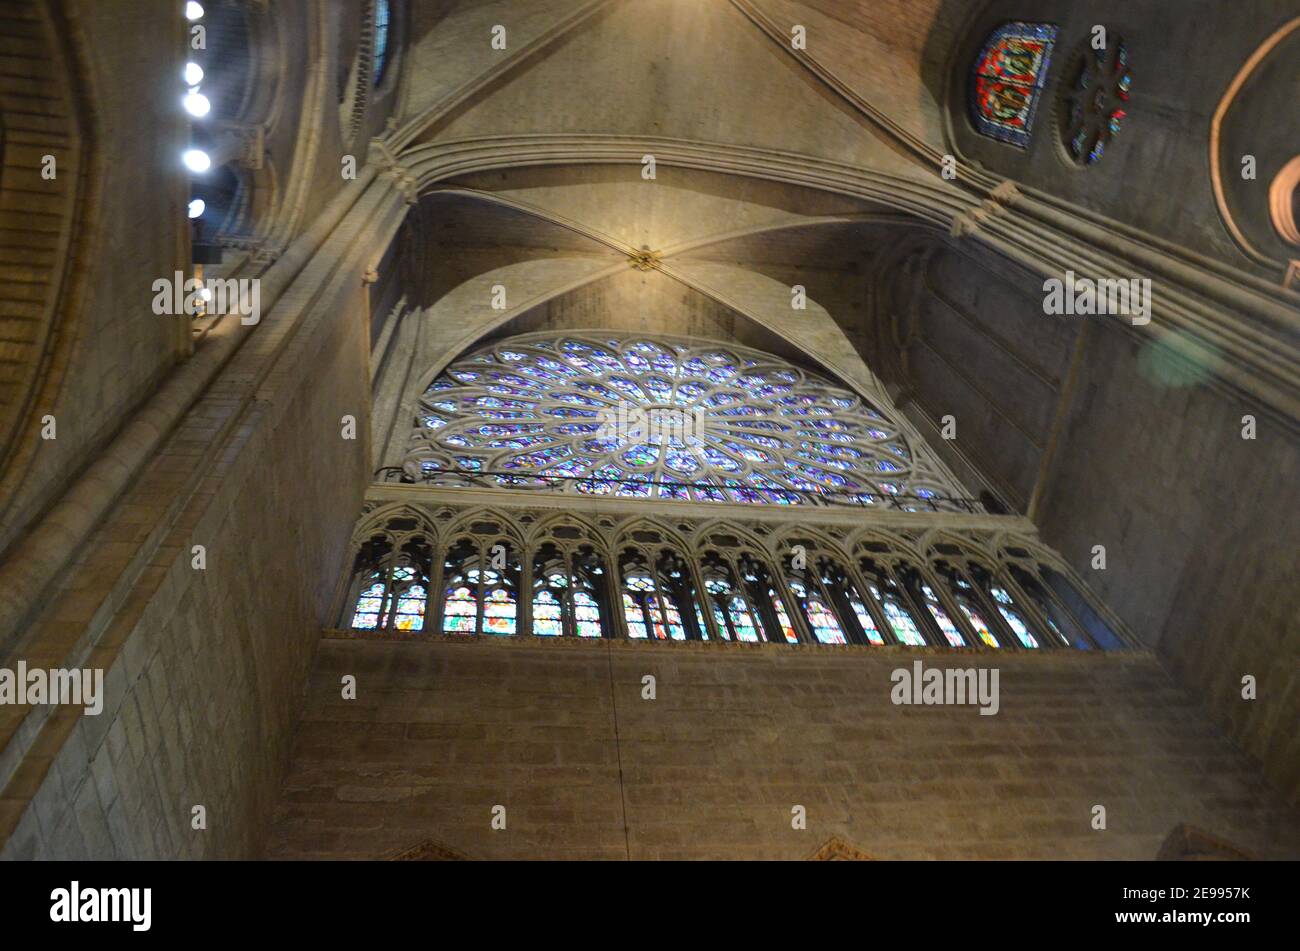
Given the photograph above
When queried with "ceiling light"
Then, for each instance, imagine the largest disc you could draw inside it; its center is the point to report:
(193, 74)
(196, 160)
(193, 10)
(196, 104)
(197, 207)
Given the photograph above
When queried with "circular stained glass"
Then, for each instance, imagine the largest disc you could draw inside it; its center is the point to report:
(1094, 100)
(658, 417)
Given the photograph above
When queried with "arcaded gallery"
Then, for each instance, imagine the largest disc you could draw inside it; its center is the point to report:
(649, 429)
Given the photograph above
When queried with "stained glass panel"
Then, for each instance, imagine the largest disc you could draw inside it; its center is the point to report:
(1008, 79)
(499, 612)
(383, 16)
(460, 612)
(867, 621)
(370, 605)
(547, 615)
(639, 417)
(586, 614)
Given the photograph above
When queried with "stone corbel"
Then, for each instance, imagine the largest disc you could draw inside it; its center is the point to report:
(392, 168)
(1000, 198)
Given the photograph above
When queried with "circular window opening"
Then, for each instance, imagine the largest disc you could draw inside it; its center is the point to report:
(1093, 103)
(1284, 201)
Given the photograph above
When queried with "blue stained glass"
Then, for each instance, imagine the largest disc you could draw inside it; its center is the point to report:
(721, 621)
(381, 39)
(665, 363)
(720, 460)
(577, 398)
(535, 460)
(557, 367)
(660, 389)
(904, 627)
(634, 487)
(460, 611)
(635, 619)
(627, 387)
(868, 623)
(369, 607)
(586, 614)
(597, 390)
(681, 462)
(747, 452)
(745, 625)
(642, 455)
(822, 622)
(744, 404)
(504, 414)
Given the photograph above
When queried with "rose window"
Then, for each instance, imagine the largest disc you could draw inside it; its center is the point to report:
(656, 417)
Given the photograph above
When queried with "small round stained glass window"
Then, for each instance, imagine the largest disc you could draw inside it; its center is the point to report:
(1094, 99)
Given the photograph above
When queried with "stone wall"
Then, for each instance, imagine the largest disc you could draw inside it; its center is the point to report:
(557, 732)
(118, 349)
(204, 668)
(1199, 532)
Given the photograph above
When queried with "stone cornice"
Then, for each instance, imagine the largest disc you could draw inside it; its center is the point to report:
(848, 516)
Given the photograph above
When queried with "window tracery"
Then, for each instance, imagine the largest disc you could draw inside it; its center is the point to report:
(646, 578)
(1094, 97)
(643, 417)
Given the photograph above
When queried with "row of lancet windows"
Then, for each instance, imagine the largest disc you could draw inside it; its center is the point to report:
(564, 586)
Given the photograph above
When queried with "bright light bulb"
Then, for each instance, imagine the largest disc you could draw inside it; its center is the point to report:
(193, 10)
(197, 207)
(193, 74)
(196, 104)
(196, 160)
(206, 293)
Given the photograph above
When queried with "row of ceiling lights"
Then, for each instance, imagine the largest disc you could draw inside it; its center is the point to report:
(198, 106)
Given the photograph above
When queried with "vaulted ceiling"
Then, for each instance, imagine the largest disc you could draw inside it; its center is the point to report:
(716, 91)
